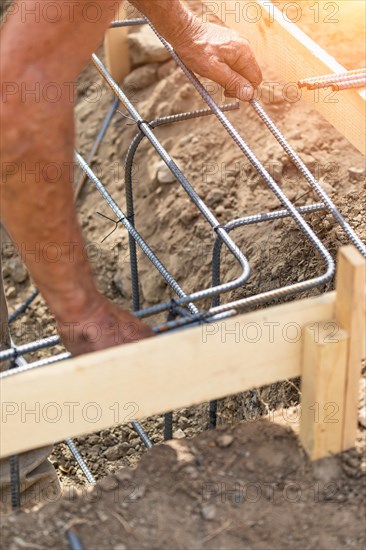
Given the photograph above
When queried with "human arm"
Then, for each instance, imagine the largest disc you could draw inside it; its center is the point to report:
(212, 51)
(37, 204)
(37, 148)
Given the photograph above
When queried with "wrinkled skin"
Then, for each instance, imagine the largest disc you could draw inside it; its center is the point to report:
(39, 209)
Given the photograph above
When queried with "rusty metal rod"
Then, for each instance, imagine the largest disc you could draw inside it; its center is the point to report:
(330, 77)
(349, 84)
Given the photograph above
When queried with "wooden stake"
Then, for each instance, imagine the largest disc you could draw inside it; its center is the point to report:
(325, 349)
(351, 314)
(116, 48)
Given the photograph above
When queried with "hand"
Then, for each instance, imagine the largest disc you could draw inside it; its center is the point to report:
(106, 325)
(222, 55)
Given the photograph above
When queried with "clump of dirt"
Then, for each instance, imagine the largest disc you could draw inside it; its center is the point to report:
(248, 486)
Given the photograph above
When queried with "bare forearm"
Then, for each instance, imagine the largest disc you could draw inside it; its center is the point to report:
(211, 51)
(37, 209)
(170, 17)
(37, 142)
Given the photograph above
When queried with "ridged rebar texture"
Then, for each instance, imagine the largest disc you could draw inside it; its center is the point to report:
(28, 348)
(22, 308)
(73, 539)
(101, 134)
(330, 78)
(79, 459)
(127, 23)
(349, 84)
(351, 234)
(269, 216)
(130, 228)
(128, 185)
(14, 482)
(336, 84)
(168, 426)
(142, 434)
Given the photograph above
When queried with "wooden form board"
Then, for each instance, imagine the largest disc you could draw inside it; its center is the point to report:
(283, 46)
(115, 386)
(95, 391)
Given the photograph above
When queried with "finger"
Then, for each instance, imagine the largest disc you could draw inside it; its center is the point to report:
(234, 84)
(246, 64)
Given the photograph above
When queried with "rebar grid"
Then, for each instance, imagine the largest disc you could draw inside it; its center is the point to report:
(183, 312)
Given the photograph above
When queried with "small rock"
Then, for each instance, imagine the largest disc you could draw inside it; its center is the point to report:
(192, 472)
(215, 197)
(123, 475)
(220, 210)
(166, 69)
(108, 483)
(145, 47)
(130, 452)
(142, 77)
(309, 161)
(137, 493)
(224, 440)
(356, 173)
(188, 215)
(16, 270)
(362, 417)
(208, 512)
(95, 450)
(123, 283)
(11, 292)
(152, 288)
(326, 186)
(109, 441)
(183, 422)
(41, 311)
(164, 175)
(179, 434)
(114, 453)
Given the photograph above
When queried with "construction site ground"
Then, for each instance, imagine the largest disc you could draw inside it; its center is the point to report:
(248, 485)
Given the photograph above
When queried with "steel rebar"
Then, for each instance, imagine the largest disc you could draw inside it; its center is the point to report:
(16, 351)
(81, 462)
(336, 82)
(331, 77)
(128, 185)
(351, 234)
(349, 84)
(127, 23)
(101, 134)
(131, 229)
(22, 308)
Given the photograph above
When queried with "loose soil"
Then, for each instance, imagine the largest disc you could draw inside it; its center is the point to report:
(248, 486)
(170, 490)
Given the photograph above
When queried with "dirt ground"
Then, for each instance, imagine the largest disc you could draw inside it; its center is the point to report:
(248, 486)
(278, 255)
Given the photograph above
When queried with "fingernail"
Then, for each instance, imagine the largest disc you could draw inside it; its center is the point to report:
(248, 92)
